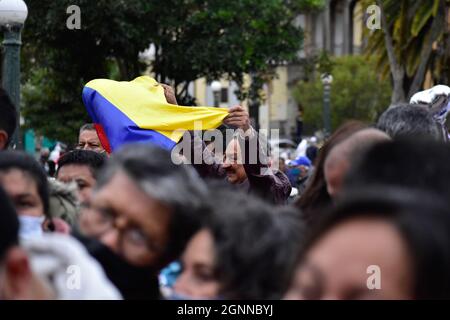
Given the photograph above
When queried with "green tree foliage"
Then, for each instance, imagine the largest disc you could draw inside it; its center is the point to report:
(356, 93)
(57, 62)
(192, 39)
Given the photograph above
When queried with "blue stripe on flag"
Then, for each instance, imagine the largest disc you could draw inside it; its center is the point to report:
(118, 127)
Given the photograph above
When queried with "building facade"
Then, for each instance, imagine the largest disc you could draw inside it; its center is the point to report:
(337, 29)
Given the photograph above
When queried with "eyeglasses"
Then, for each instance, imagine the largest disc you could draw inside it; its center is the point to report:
(130, 235)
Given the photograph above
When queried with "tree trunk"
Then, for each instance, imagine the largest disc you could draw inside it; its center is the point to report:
(397, 70)
(122, 69)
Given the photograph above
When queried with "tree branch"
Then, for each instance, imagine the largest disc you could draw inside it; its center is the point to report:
(184, 91)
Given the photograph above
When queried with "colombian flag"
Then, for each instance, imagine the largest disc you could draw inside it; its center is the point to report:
(137, 111)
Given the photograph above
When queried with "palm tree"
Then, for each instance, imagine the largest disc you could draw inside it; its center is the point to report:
(414, 38)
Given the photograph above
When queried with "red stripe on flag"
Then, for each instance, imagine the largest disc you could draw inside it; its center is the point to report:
(102, 137)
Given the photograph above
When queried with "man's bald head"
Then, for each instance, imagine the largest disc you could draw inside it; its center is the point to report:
(345, 153)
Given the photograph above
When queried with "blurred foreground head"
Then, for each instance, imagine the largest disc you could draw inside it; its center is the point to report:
(343, 156)
(9, 225)
(145, 210)
(16, 278)
(25, 182)
(244, 250)
(378, 244)
(8, 119)
(37, 269)
(316, 194)
(149, 205)
(410, 164)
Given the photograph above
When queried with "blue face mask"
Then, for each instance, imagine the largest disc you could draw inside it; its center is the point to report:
(30, 227)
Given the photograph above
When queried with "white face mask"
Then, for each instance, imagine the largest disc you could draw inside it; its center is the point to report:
(30, 227)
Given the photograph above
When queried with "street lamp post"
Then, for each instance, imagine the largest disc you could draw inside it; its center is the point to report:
(13, 14)
(216, 87)
(327, 80)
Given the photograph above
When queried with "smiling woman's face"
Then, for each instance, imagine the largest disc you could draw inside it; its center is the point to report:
(336, 267)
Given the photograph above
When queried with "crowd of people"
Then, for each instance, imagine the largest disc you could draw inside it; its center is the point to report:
(371, 219)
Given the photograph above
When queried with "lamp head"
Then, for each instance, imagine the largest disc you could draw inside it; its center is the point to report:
(13, 12)
(327, 79)
(216, 86)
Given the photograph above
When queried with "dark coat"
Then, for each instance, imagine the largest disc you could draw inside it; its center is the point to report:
(273, 186)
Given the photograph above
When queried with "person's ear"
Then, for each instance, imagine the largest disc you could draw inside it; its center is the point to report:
(3, 139)
(18, 280)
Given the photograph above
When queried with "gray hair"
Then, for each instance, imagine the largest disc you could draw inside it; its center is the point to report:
(177, 186)
(87, 126)
(408, 120)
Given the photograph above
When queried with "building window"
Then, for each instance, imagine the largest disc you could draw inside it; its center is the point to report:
(224, 95)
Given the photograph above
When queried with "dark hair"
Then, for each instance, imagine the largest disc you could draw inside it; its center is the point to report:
(87, 126)
(422, 220)
(311, 153)
(316, 196)
(91, 159)
(8, 118)
(9, 224)
(24, 162)
(255, 245)
(420, 164)
(178, 187)
(408, 120)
